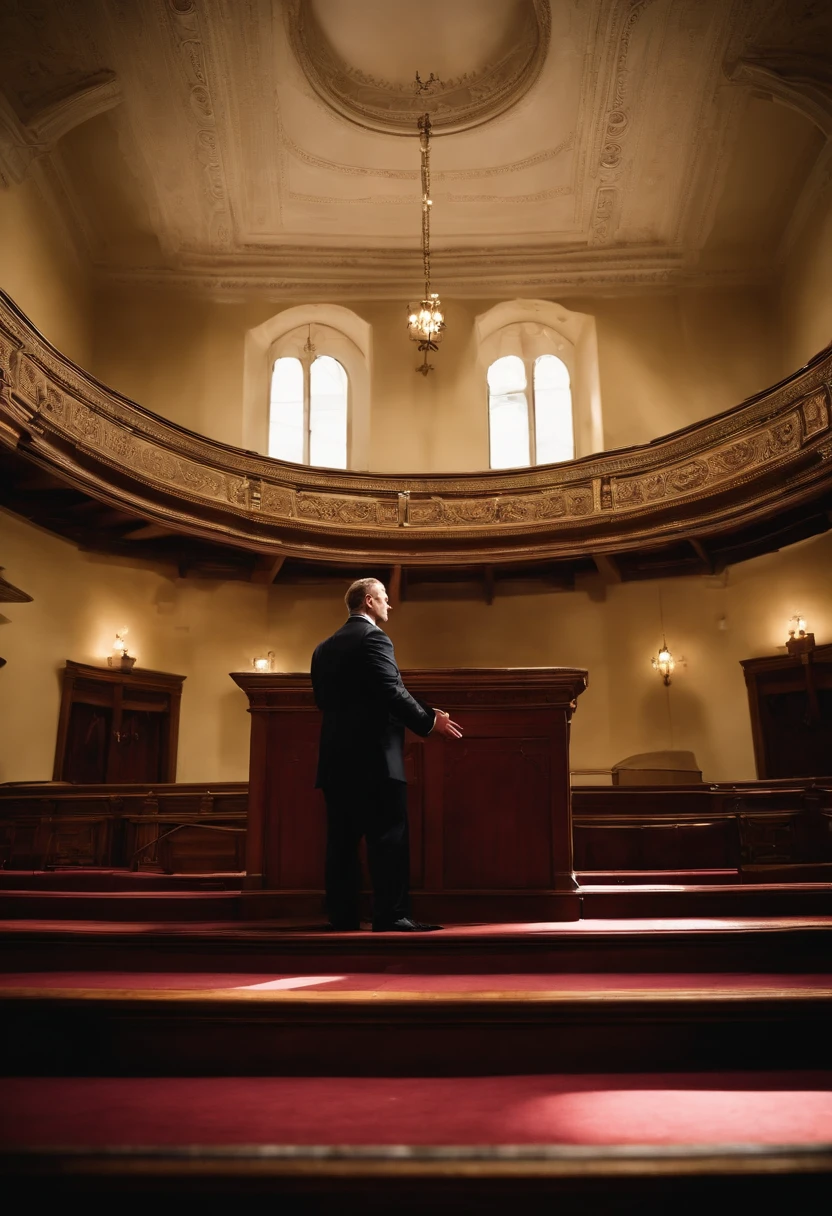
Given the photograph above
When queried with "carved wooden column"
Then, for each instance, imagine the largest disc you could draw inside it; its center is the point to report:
(490, 814)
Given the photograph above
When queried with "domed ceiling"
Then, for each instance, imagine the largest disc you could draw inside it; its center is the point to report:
(271, 146)
(358, 55)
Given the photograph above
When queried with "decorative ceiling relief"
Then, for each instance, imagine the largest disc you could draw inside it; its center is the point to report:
(787, 52)
(472, 92)
(267, 147)
(187, 37)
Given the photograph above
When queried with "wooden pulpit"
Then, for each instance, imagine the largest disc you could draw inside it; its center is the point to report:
(490, 814)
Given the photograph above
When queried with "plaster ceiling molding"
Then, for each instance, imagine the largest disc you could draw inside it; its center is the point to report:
(21, 143)
(50, 52)
(802, 82)
(166, 143)
(612, 125)
(361, 56)
(787, 55)
(384, 273)
(186, 35)
(681, 66)
(250, 65)
(18, 146)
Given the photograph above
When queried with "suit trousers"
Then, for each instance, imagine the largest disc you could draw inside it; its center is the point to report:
(376, 811)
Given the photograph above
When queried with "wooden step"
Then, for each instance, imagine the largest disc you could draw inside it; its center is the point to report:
(605, 1181)
(257, 1031)
(762, 944)
(674, 900)
(591, 902)
(188, 905)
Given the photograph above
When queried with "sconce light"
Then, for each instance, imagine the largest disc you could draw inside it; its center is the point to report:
(263, 663)
(799, 641)
(665, 663)
(120, 658)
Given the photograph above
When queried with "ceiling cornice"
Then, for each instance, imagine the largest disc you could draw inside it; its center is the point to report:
(21, 144)
(390, 274)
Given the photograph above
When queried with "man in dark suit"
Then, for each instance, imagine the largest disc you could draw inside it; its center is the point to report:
(366, 708)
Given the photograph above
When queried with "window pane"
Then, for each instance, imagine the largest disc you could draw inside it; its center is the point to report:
(286, 411)
(552, 411)
(507, 375)
(508, 413)
(328, 414)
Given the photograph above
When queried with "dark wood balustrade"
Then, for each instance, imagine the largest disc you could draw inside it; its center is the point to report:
(761, 831)
(742, 483)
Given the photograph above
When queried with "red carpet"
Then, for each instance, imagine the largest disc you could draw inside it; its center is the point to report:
(292, 930)
(400, 979)
(645, 1109)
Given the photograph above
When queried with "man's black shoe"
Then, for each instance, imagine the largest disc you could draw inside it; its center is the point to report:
(404, 925)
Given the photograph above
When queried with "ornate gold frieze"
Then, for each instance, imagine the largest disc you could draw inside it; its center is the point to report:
(706, 472)
(815, 410)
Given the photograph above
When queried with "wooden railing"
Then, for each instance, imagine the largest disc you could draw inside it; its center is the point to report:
(771, 454)
(779, 830)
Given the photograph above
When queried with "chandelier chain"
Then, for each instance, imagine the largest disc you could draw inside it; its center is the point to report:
(424, 144)
(426, 323)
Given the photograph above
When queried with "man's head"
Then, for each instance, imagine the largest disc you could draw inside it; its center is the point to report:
(368, 595)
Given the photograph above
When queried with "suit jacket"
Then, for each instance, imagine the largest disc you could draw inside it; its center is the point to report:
(365, 705)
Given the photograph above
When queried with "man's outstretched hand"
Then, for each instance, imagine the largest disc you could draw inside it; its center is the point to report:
(444, 726)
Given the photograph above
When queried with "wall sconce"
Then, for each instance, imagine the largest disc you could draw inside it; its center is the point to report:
(799, 641)
(665, 664)
(120, 658)
(264, 663)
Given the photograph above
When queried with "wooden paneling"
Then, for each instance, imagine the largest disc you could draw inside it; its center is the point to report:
(754, 828)
(296, 822)
(496, 829)
(164, 827)
(746, 827)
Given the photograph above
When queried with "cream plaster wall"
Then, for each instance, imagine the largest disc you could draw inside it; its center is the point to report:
(176, 354)
(204, 630)
(665, 362)
(806, 289)
(41, 272)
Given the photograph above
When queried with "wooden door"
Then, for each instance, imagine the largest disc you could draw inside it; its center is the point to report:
(136, 755)
(89, 743)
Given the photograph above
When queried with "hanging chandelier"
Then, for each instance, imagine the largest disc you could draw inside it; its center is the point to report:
(425, 323)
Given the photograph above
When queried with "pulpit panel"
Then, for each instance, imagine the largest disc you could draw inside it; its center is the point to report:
(296, 823)
(496, 829)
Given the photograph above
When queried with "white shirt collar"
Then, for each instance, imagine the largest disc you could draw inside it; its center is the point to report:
(366, 618)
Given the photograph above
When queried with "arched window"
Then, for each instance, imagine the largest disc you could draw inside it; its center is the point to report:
(306, 387)
(540, 362)
(308, 412)
(527, 428)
